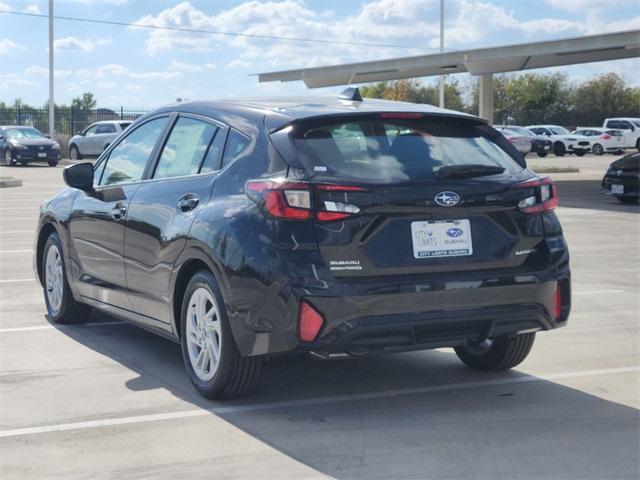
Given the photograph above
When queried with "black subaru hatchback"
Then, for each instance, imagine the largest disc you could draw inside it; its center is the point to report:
(251, 229)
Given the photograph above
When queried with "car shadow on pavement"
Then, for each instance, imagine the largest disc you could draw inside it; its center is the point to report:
(410, 415)
(588, 194)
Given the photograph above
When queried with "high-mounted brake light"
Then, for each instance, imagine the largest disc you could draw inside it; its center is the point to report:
(544, 196)
(293, 200)
(401, 115)
(310, 322)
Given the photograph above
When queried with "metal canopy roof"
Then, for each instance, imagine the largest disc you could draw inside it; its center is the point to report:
(509, 58)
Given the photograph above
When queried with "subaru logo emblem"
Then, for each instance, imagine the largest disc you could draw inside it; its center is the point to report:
(447, 199)
(454, 232)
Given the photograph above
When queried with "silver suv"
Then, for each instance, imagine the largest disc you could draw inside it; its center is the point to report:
(92, 141)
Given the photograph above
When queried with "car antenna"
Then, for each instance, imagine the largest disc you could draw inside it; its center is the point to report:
(351, 94)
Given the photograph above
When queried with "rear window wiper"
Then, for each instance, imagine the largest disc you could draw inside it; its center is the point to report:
(468, 170)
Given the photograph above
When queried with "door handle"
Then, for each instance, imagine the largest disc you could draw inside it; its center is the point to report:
(118, 211)
(188, 202)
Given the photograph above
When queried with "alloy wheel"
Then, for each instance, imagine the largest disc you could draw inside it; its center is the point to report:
(204, 334)
(54, 279)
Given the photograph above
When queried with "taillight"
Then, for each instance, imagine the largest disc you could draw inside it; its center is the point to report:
(310, 322)
(605, 137)
(293, 200)
(543, 198)
(287, 200)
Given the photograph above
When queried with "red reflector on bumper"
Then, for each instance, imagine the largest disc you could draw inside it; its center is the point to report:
(557, 303)
(310, 322)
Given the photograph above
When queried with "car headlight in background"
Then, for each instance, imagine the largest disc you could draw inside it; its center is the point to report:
(55, 146)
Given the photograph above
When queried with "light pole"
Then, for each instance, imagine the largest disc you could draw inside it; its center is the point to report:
(441, 51)
(51, 99)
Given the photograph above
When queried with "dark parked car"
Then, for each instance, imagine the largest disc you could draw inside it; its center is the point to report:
(25, 145)
(251, 229)
(539, 143)
(622, 179)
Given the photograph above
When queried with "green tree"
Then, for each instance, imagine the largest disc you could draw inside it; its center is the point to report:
(602, 97)
(416, 92)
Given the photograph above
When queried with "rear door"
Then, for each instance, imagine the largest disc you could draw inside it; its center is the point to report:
(163, 208)
(417, 207)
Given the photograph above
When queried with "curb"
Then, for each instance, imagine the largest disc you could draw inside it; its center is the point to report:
(555, 169)
(10, 182)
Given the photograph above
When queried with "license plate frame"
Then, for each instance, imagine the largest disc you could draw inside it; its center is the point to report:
(441, 238)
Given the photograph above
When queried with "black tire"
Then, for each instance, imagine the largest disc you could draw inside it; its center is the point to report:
(581, 154)
(74, 153)
(53, 164)
(235, 375)
(542, 154)
(597, 149)
(559, 149)
(70, 310)
(628, 200)
(502, 353)
(638, 144)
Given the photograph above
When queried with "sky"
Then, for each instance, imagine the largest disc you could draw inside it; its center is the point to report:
(138, 67)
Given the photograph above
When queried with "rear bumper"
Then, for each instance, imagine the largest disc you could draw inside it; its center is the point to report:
(445, 318)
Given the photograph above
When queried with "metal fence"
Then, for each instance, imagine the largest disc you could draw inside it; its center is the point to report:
(69, 120)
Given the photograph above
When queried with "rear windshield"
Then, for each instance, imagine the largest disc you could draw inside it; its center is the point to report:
(397, 149)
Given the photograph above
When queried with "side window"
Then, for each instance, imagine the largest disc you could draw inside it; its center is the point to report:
(127, 160)
(236, 143)
(626, 125)
(214, 154)
(91, 131)
(106, 128)
(185, 148)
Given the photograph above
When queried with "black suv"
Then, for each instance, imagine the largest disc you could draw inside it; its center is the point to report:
(251, 229)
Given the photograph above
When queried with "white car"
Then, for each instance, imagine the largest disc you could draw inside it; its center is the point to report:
(630, 126)
(92, 141)
(563, 141)
(603, 140)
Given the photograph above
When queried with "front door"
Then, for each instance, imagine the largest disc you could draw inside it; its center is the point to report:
(97, 221)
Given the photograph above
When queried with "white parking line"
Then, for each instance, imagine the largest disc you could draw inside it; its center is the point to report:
(110, 422)
(60, 327)
(597, 292)
(16, 251)
(18, 280)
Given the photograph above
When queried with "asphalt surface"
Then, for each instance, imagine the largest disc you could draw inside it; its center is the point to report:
(105, 399)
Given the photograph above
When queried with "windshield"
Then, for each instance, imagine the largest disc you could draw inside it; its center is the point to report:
(17, 133)
(559, 130)
(396, 150)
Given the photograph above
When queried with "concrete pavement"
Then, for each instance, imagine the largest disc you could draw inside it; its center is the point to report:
(107, 400)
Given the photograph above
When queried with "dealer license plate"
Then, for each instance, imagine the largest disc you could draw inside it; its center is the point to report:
(42, 155)
(448, 238)
(617, 189)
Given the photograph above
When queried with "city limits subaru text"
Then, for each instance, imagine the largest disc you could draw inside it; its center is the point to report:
(247, 230)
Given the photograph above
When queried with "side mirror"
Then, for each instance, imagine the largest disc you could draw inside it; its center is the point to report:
(1, 138)
(47, 135)
(79, 176)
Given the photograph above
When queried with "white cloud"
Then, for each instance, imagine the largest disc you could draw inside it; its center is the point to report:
(74, 43)
(381, 20)
(8, 46)
(35, 9)
(12, 81)
(551, 25)
(587, 7)
(238, 63)
(177, 66)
